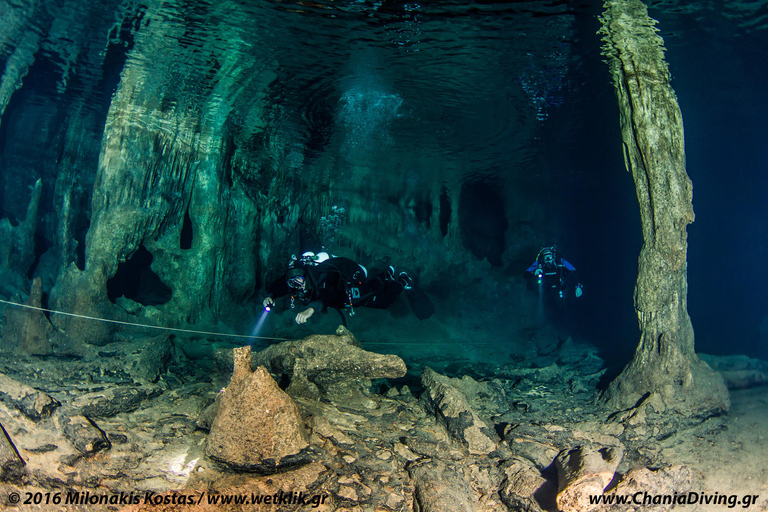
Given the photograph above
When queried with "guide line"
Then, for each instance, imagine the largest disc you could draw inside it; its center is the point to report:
(134, 324)
(193, 331)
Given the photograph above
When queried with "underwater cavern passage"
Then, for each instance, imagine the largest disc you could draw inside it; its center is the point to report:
(161, 162)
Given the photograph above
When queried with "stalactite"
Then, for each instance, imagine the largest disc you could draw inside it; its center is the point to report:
(17, 66)
(162, 161)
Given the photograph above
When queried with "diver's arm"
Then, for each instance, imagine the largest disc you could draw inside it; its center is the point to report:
(302, 317)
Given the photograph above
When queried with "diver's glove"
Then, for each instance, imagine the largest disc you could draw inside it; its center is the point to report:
(268, 303)
(302, 317)
(579, 290)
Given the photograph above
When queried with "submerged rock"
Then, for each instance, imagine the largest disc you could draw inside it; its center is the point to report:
(17, 243)
(738, 371)
(440, 488)
(151, 358)
(28, 331)
(327, 365)
(257, 426)
(659, 486)
(443, 398)
(583, 472)
(34, 404)
(114, 400)
(523, 487)
(84, 434)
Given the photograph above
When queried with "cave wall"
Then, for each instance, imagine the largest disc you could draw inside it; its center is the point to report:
(163, 160)
(185, 161)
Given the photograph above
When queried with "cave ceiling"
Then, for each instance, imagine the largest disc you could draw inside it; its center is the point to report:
(361, 80)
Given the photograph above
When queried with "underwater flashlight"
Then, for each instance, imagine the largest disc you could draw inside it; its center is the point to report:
(267, 308)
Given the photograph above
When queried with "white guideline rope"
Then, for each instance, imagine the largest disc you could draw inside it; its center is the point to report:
(136, 324)
(192, 331)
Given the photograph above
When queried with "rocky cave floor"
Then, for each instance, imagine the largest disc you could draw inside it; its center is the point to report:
(129, 419)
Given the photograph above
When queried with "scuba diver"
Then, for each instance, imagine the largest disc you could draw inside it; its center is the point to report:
(552, 271)
(317, 282)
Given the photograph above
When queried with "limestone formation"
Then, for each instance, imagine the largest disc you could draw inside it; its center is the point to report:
(152, 359)
(23, 55)
(739, 371)
(114, 400)
(655, 485)
(583, 472)
(452, 409)
(28, 331)
(442, 488)
(524, 488)
(17, 249)
(18, 243)
(257, 426)
(328, 365)
(652, 129)
(34, 404)
(84, 434)
(80, 293)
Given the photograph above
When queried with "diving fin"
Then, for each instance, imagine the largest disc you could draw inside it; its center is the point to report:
(420, 303)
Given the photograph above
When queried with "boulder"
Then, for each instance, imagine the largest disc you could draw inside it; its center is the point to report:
(524, 488)
(34, 404)
(257, 426)
(654, 486)
(84, 434)
(440, 488)
(583, 472)
(327, 365)
(443, 398)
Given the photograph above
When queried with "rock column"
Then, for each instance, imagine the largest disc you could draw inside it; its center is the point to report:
(652, 128)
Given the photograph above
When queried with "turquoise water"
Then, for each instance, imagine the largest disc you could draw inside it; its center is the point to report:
(447, 132)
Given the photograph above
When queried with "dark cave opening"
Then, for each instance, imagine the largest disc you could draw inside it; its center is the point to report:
(445, 212)
(135, 280)
(185, 239)
(42, 245)
(482, 221)
(81, 230)
(422, 209)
